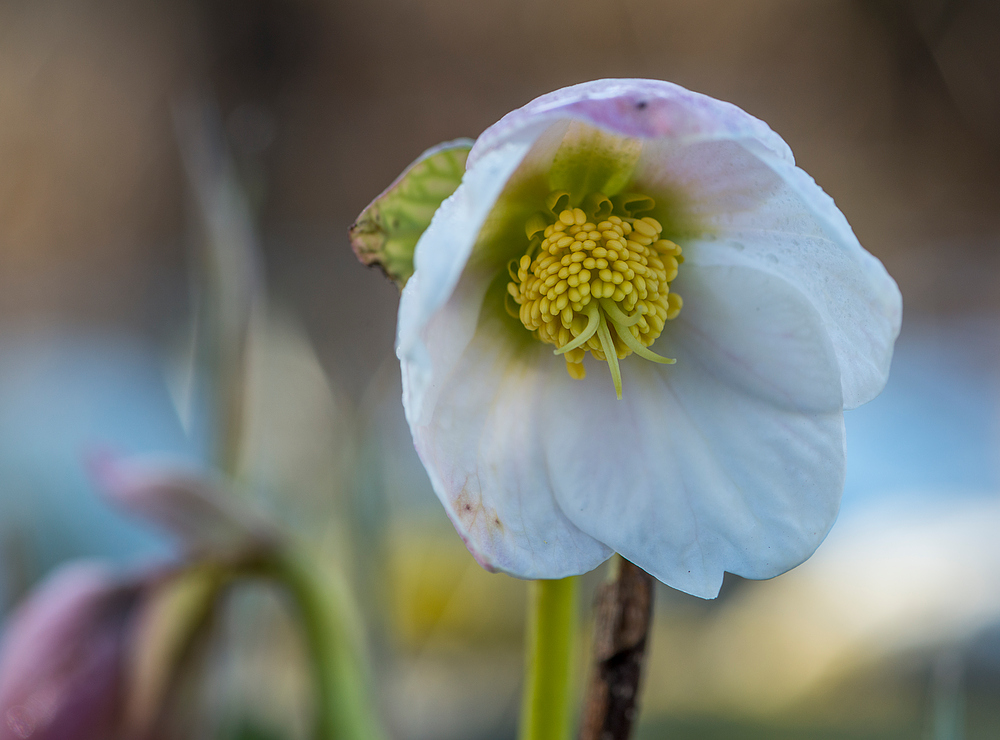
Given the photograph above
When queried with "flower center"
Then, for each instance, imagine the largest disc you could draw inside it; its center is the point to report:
(597, 283)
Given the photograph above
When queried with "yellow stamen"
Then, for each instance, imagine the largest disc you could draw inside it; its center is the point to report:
(600, 285)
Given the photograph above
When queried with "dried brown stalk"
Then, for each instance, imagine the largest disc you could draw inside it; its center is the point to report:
(624, 611)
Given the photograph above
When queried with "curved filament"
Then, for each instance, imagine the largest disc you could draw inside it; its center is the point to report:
(617, 316)
(593, 322)
(611, 354)
(633, 344)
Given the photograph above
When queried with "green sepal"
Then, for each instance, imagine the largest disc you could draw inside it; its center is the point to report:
(386, 232)
(593, 161)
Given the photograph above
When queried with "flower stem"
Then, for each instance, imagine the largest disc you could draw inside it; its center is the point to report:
(624, 612)
(343, 709)
(553, 620)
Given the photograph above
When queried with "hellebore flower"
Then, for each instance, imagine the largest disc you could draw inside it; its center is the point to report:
(187, 503)
(93, 655)
(634, 327)
(63, 658)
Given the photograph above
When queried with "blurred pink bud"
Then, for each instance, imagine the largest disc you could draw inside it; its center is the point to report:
(185, 502)
(62, 657)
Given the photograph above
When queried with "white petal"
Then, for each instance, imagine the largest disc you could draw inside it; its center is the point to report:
(730, 460)
(764, 212)
(469, 389)
(477, 436)
(439, 259)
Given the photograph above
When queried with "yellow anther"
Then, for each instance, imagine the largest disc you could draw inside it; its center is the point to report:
(674, 305)
(602, 288)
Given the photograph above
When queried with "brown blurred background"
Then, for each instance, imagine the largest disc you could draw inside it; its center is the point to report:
(892, 105)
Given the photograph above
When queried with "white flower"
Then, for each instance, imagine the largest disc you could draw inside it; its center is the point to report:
(731, 459)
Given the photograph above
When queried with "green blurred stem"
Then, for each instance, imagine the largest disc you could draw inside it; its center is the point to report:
(343, 707)
(553, 623)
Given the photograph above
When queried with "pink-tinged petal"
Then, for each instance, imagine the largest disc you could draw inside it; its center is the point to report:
(475, 429)
(730, 460)
(62, 658)
(184, 502)
(643, 109)
(727, 174)
(761, 211)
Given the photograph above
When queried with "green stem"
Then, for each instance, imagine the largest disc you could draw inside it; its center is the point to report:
(343, 708)
(553, 621)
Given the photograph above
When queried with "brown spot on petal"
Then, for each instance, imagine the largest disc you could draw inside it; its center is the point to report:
(470, 510)
(468, 504)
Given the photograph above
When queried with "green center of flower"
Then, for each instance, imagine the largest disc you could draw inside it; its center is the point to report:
(592, 281)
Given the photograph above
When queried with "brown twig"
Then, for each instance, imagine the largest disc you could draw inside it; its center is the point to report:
(624, 610)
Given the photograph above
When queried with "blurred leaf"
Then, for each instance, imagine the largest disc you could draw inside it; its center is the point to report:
(437, 591)
(167, 626)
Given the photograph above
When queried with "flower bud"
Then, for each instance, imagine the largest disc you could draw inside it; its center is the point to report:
(184, 502)
(62, 658)
(387, 231)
